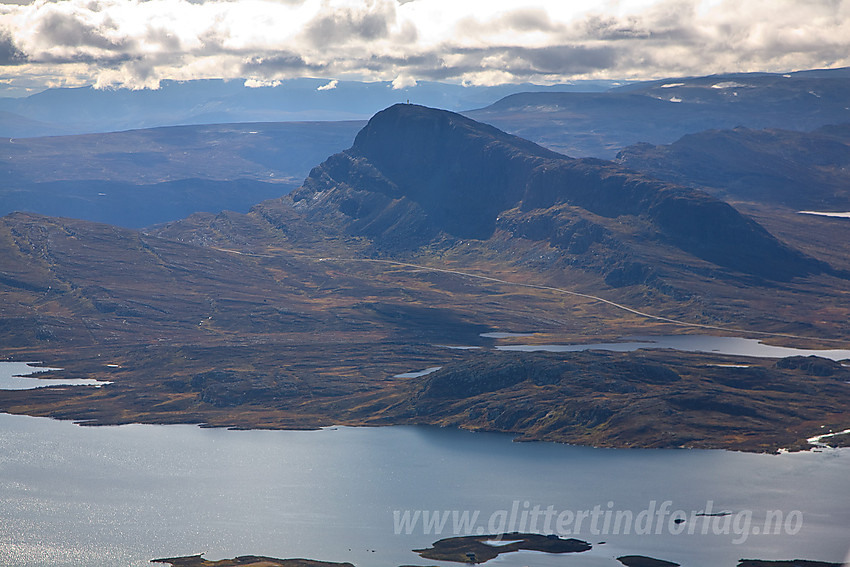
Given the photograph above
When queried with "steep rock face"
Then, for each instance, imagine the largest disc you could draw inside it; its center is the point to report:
(415, 174)
(429, 169)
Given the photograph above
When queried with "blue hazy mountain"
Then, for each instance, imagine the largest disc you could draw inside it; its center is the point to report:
(141, 177)
(86, 109)
(660, 112)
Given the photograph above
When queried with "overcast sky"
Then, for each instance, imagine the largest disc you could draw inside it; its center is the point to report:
(136, 43)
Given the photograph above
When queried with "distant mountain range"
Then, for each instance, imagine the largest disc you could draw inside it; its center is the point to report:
(143, 177)
(83, 110)
(589, 118)
(660, 112)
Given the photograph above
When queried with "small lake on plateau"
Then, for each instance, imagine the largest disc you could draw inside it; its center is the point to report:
(734, 346)
(19, 376)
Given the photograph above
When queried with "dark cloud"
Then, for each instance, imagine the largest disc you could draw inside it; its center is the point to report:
(100, 60)
(62, 29)
(9, 53)
(213, 39)
(608, 28)
(277, 62)
(567, 59)
(528, 19)
(678, 23)
(169, 41)
(523, 63)
(346, 24)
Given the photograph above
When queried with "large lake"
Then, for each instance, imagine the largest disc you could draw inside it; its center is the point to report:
(120, 496)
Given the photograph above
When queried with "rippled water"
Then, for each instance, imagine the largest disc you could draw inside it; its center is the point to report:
(120, 496)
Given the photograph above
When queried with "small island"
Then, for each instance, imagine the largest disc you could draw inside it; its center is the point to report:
(481, 548)
(788, 563)
(245, 561)
(642, 561)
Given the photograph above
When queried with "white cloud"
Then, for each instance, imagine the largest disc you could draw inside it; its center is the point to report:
(260, 83)
(329, 86)
(136, 43)
(403, 82)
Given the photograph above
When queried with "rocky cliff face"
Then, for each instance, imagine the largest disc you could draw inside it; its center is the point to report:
(416, 174)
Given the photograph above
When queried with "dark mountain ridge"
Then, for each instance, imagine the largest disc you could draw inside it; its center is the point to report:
(449, 172)
(780, 167)
(415, 174)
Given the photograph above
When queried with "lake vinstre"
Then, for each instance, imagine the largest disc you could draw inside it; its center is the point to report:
(122, 495)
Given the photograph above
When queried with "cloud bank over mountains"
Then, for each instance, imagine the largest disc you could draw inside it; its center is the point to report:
(137, 43)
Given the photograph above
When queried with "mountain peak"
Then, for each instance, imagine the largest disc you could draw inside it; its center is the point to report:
(455, 173)
(417, 132)
(416, 174)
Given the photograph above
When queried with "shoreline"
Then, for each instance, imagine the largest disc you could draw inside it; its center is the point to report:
(644, 399)
(515, 437)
